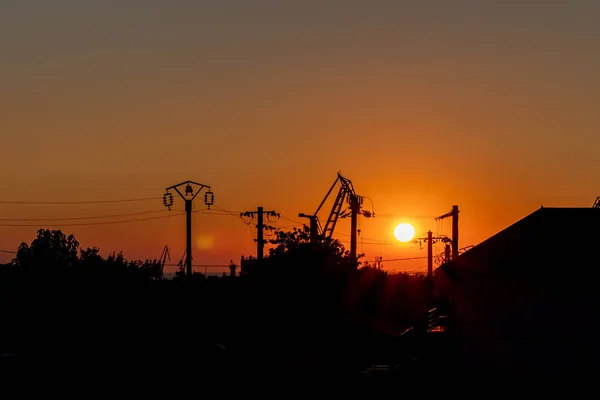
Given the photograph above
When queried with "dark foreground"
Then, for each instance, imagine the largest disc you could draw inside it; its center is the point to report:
(115, 335)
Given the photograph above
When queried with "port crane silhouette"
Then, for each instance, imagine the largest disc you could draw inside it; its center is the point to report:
(345, 195)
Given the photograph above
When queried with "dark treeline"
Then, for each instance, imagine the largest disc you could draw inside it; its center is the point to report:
(305, 310)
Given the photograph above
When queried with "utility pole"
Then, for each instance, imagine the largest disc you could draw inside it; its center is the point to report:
(188, 197)
(260, 226)
(429, 255)
(454, 232)
(430, 239)
(355, 203)
(454, 214)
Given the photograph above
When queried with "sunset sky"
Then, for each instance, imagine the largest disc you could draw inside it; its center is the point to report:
(490, 105)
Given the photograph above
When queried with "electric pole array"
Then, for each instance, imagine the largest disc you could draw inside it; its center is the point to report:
(188, 197)
(260, 226)
(454, 214)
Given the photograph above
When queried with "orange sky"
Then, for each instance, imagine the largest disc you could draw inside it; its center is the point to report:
(421, 104)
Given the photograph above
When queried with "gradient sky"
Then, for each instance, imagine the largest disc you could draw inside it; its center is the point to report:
(490, 105)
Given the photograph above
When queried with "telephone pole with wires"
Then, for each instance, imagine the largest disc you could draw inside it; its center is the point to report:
(188, 196)
(260, 226)
(430, 239)
(454, 214)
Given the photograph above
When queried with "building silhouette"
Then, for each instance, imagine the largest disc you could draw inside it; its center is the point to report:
(525, 300)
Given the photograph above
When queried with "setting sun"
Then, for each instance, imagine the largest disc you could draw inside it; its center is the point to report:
(404, 232)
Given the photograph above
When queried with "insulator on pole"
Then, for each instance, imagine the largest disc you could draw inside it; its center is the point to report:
(168, 200)
(209, 199)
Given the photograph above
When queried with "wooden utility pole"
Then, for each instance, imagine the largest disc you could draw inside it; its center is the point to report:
(354, 211)
(430, 239)
(260, 226)
(454, 232)
(429, 255)
(454, 214)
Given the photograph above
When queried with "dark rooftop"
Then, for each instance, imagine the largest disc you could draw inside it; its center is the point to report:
(564, 238)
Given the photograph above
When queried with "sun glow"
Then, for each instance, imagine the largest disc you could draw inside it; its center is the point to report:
(404, 232)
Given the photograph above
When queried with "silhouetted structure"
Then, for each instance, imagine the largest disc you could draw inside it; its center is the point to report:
(454, 215)
(304, 315)
(260, 227)
(430, 240)
(346, 193)
(232, 268)
(523, 300)
(188, 198)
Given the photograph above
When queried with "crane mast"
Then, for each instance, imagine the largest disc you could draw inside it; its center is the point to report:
(346, 193)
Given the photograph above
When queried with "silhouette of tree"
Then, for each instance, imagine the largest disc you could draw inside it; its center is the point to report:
(50, 250)
(90, 255)
(295, 250)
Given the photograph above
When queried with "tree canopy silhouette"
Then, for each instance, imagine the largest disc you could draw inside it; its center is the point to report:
(295, 253)
(49, 250)
(53, 254)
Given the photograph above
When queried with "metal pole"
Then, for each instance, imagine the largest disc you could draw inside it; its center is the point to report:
(259, 240)
(354, 205)
(429, 254)
(454, 232)
(188, 196)
(188, 239)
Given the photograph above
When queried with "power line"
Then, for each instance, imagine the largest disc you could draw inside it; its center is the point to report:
(379, 241)
(97, 223)
(293, 220)
(81, 202)
(233, 213)
(199, 265)
(90, 217)
(404, 216)
(404, 259)
(8, 251)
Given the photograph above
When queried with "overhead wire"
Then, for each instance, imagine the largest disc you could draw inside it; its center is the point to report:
(218, 211)
(80, 202)
(198, 265)
(87, 217)
(404, 259)
(95, 223)
(292, 220)
(382, 241)
(233, 213)
(384, 215)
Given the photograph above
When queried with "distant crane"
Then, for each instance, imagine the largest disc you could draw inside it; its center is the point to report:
(163, 258)
(345, 193)
(182, 264)
(596, 203)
